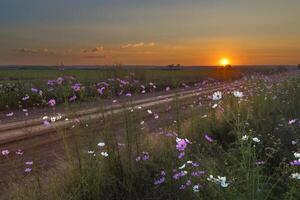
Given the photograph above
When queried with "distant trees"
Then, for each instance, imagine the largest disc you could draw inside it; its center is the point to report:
(174, 67)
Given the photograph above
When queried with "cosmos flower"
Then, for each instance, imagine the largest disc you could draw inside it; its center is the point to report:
(208, 138)
(52, 102)
(196, 188)
(34, 90)
(159, 181)
(104, 154)
(295, 163)
(76, 87)
(73, 98)
(29, 163)
(238, 94)
(181, 154)
(245, 137)
(297, 155)
(5, 152)
(27, 170)
(100, 90)
(46, 123)
(217, 96)
(220, 180)
(295, 176)
(128, 94)
(181, 144)
(26, 97)
(255, 139)
(197, 173)
(146, 156)
(101, 144)
(9, 114)
(149, 112)
(180, 174)
(292, 121)
(19, 152)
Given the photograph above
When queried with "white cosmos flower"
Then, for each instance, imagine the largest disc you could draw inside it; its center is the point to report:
(182, 167)
(217, 95)
(196, 188)
(238, 94)
(149, 112)
(104, 154)
(297, 155)
(101, 144)
(245, 137)
(255, 139)
(214, 106)
(295, 176)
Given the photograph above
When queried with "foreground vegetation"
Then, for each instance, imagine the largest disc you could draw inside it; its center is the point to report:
(236, 146)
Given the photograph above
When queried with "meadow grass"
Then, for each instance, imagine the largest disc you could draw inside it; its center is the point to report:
(239, 149)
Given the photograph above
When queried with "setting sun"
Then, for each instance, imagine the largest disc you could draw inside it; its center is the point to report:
(224, 61)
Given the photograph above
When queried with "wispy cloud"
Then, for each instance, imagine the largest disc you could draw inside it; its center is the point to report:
(44, 51)
(98, 49)
(136, 45)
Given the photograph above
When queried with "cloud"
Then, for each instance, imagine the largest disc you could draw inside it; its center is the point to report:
(94, 56)
(93, 50)
(140, 44)
(44, 52)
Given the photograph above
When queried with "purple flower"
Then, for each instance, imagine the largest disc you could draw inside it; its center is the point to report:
(9, 114)
(208, 138)
(73, 98)
(197, 173)
(159, 181)
(26, 97)
(76, 87)
(128, 94)
(181, 155)
(295, 163)
(27, 170)
(179, 175)
(100, 90)
(188, 183)
(51, 82)
(182, 187)
(34, 90)
(46, 123)
(181, 144)
(29, 163)
(59, 80)
(52, 102)
(146, 156)
(19, 152)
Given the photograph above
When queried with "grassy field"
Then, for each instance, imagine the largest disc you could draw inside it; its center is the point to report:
(238, 145)
(33, 87)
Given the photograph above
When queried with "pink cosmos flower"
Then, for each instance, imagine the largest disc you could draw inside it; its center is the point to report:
(52, 102)
(181, 144)
(5, 152)
(27, 170)
(73, 98)
(19, 152)
(9, 114)
(159, 181)
(208, 138)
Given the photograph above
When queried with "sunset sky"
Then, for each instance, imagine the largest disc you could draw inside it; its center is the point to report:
(150, 32)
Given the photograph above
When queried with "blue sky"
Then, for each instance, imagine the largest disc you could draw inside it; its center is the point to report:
(149, 32)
